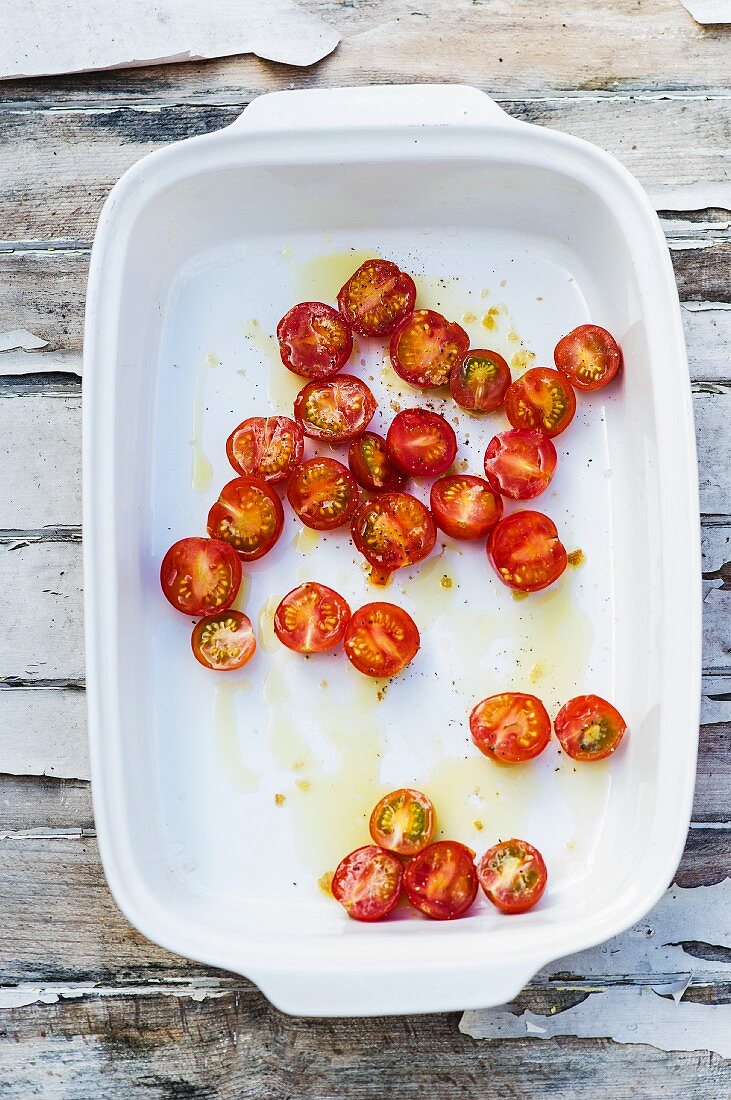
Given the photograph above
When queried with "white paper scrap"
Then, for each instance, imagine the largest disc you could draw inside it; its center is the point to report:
(20, 338)
(709, 11)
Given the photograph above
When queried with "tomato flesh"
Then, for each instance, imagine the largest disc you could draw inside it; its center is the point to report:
(371, 465)
(248, 514)
(513, 875)
(541, 398)
(589, 728)
(323, 493)
(311, 618)
(367, 883)
(520, 463)
(526, 551)
(381, 639)
(441, 881)
(199, 576)
(376, 298)
(225, 641)
(480, 380)
(403, 822)
(421, 443)
(511, 727)
(268, 447)
(314, 340)
(425, 347)
(588, 356)
(335, 411)
(464, 506)
(393, 530)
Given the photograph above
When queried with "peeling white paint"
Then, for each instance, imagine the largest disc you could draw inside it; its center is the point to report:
(709, 11)
(195, 989)
(19, 339)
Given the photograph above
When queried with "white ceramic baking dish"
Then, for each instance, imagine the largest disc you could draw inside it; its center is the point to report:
(201, 247)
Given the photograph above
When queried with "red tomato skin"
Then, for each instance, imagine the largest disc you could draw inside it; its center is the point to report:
(354, 402)
(419, 869)
(506, 904)
(582, 712)
(320, 595)
(479, 397)
(491, 507)
(220, 514)
(524, 411)
(343, 493)
(489, 744)
(403, 845)
(412, 457)
(409, 544)
(297, 338)
(174, 565)
(505, 477)
(588, 339)
(361, 623)
(247, 641)
(260, 435)
(400, 298)
(355, 866)
(430, 372)
(513, 527)
(380, 476)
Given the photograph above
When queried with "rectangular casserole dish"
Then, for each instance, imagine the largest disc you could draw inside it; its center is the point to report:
(201, 247)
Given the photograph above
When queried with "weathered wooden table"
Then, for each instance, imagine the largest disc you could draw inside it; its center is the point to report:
(88, 1008)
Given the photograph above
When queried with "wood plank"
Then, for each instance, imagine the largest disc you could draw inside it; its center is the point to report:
(42, 805)
(40, 459)
(43, 732)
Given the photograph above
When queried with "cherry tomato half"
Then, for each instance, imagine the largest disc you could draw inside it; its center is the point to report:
(314, 340)
(479, 381)
(441, 881)
(199, 576)
(371, 465)
(589, 728)
(588, 356)
(425, 347)
(381, 639)
(520, 463)
(323, 493)
(393, 530)
(421, 443)
(526, 551)
(541, 398)
(376, 298)
(335, 411)
(403, 822)
(465, 507)
(311, 618)
(367, 883)
(268, 447)
(249, 515)
(513, 875)
(511, 727)
(224, 641)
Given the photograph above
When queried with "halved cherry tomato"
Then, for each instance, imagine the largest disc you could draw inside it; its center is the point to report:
(335, 411)
(526, 551)
(588, 356)
(314, 340)
(224, 641)
(441, 881)
(511, 727)
(323, 493)
(381, 639)
(371, 466)
(465, 507)
(541, 398)
(513, 875)
(311, 618)
(268, 447)
(249, 515)
(199, 576)
(589, 728)
(421, 442)
(367, 883)
(425, 347)
(376, 298)
(520, 463)
(479, 381)
(403, 822)
(393, 530)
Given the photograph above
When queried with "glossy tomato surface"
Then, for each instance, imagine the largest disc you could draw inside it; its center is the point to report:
(421, 443)
(464, 506)
(441, 881)
(199, 576)
(225, 641)
(376, 298)
(314, 340)
(403, 822)
(335, 411)
(526, 551)
(311, 618)
(323, 493)
(513, 875)
(589, 728)
(520, 463)
(588, 356)
(393, 530)
(371, 465)
(381, 639)
(367, 883)
(268, 447)
(248, 514)
(425, 347)
(511, 727)
(479, 381)
(541, 398)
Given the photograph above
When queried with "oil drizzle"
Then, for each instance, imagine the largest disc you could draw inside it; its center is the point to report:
(201, 468)
(320, 278)
(225, 729)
